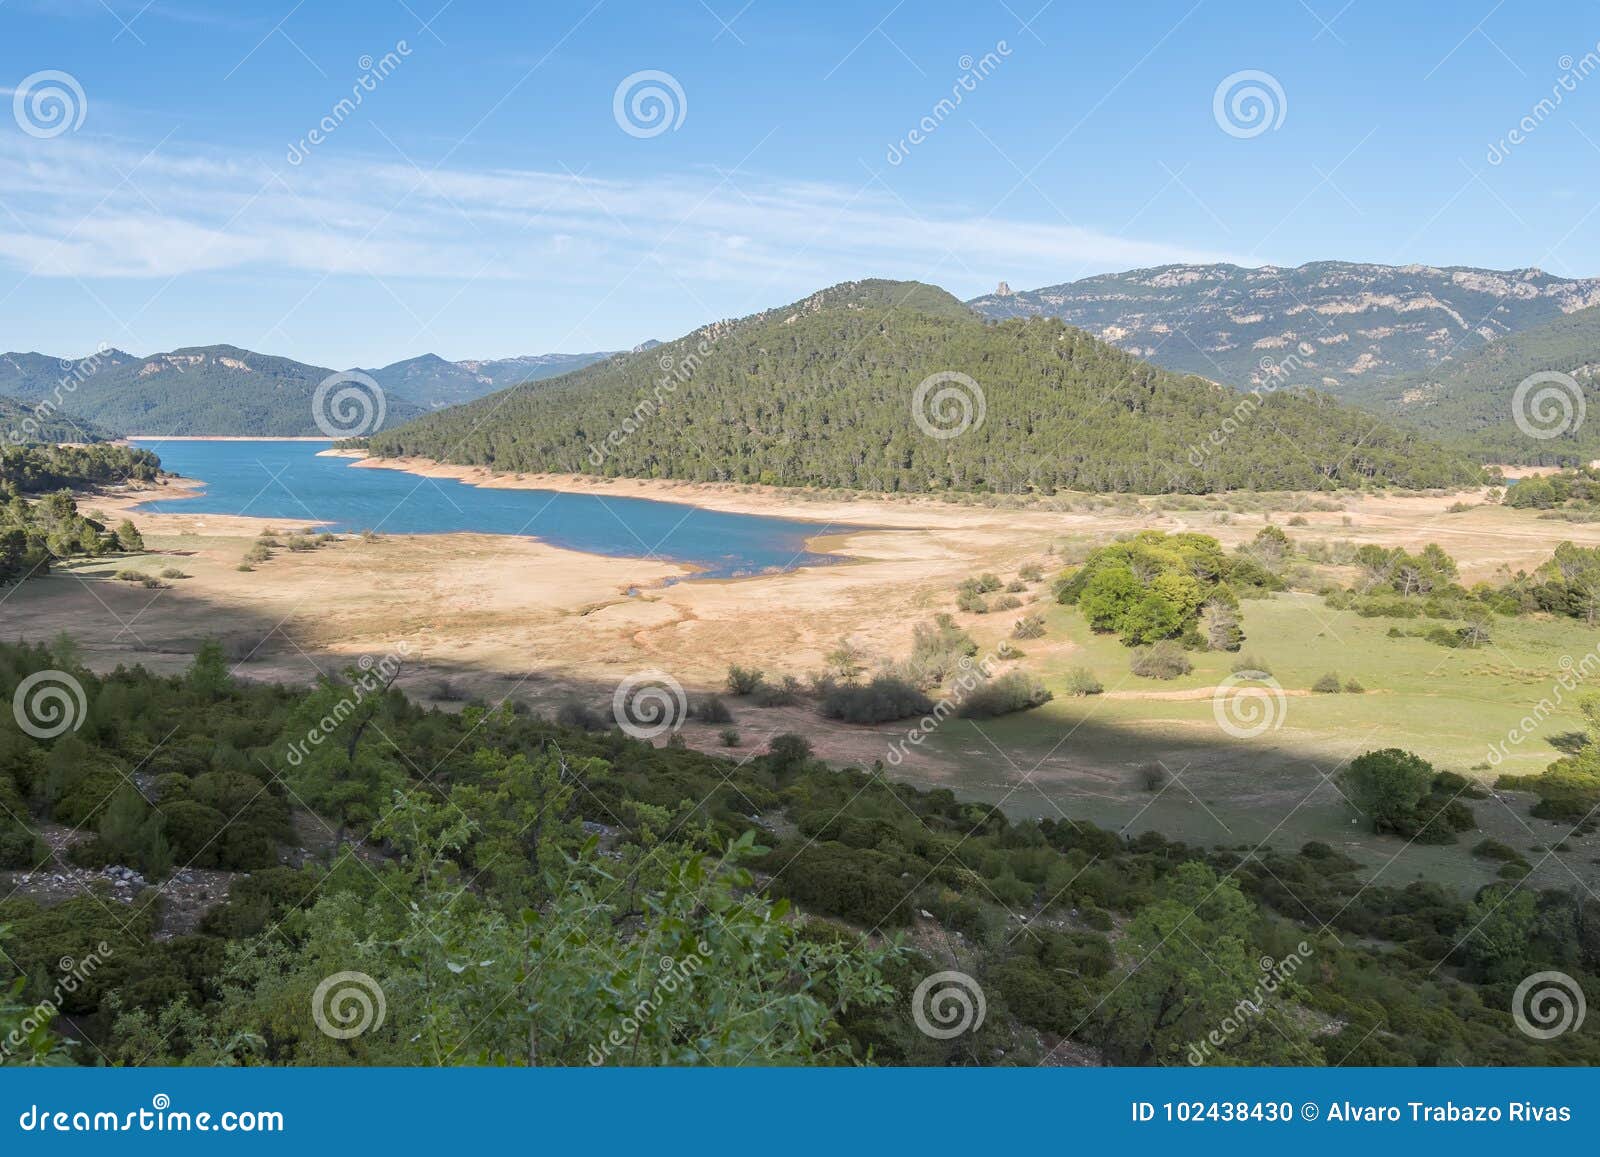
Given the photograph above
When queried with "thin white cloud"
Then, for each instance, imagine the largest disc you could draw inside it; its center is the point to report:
(84, 208)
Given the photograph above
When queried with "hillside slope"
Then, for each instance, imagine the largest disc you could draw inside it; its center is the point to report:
(1342, 323)
(821, 393)
(1472, 400)
(22, 423)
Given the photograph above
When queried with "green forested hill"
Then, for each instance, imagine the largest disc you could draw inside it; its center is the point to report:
(1470, 401)
(216, 389)
(21, 424)
(821, 394)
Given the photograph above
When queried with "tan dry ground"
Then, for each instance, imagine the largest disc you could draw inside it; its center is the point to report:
(495, 615)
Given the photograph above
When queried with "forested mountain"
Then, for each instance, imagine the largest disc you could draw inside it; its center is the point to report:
(223, 389)
(821, 393)
(1343, 324)
(21, 423)
(217, 389)
(432, 383)
(1472, 400)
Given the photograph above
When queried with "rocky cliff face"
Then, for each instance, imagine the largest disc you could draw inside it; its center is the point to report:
(1333, 325)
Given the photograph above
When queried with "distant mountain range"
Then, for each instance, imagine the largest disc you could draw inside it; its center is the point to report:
(1471, 401)
(1438, 350)
(1335, 325)
(225, 390)
(825, 392)
(433, 383)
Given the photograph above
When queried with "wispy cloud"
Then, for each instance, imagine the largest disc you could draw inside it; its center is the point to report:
(85, 208)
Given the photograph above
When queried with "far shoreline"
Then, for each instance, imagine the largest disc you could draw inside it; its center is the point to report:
(224, 438)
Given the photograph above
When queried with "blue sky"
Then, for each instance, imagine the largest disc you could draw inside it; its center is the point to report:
(484, 200)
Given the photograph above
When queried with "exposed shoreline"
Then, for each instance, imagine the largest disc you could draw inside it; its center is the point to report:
(225, 438)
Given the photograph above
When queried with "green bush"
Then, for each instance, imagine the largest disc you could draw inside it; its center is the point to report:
(1081, 681)
(1329, 684)
(1003, 695)
(712, 710)
(883, 699)
(1164, 660)
(1028, 627)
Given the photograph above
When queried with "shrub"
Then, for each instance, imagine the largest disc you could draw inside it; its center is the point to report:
(712, 710)
(1329, 684)
(1003, 695)
(729, 737)
(855, 884)
(971, 602)
(937, 649)
(1250, 663)
(1029, 572)
(1353, 687)
(574, 713)
(1028, 627)
(1081, 682)
(781, 694)
(1006, 603)
(1495, 850)
(20, 849)
(173, 572)
(742, 681)
(1016, 586)
(1299, 520)
(1164, 660)
(789, 751)
(1152, 777)
(879, 701)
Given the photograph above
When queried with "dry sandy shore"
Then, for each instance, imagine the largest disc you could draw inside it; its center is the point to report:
(495, 614)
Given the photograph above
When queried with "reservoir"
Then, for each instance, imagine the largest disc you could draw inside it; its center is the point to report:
(289, 482)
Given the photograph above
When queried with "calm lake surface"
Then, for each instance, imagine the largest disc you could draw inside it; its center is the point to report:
(287, 481)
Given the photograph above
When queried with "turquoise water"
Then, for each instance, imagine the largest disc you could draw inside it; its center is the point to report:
(288, 482)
